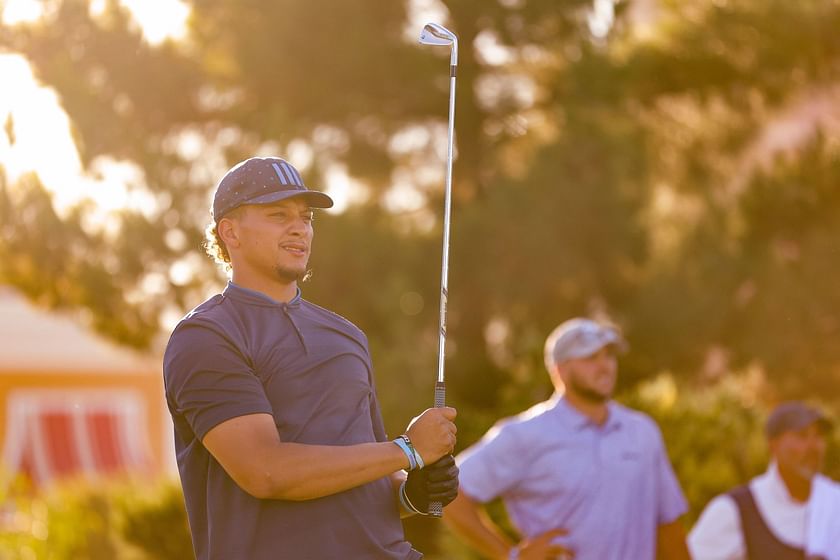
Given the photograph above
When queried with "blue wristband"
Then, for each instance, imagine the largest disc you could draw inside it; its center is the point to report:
(417, 458)
(405, 444)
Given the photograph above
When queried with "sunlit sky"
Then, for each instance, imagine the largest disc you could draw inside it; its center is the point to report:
(42, 139)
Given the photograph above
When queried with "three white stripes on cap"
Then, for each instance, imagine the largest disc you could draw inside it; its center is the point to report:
(287, 174)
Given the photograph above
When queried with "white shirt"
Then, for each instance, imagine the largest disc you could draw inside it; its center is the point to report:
(717, 534)
(824, 519)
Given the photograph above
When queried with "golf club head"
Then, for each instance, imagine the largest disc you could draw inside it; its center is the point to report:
(437, 35)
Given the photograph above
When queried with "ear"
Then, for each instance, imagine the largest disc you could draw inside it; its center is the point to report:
(229, 231)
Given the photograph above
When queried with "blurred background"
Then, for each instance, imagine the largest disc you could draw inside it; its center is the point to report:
(672, 165)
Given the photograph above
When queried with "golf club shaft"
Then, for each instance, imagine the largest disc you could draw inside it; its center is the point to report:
(447, 212)
(436, 508)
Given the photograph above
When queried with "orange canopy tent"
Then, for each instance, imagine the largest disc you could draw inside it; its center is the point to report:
(73, 404)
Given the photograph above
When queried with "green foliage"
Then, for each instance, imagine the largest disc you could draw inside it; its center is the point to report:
(87, 521)
(714, 435)
(55, 262)
(156, 522)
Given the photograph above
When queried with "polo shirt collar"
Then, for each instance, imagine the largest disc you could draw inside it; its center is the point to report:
(578, 421)
(247, 295)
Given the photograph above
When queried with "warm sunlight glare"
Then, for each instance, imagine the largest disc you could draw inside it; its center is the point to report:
(39, 137)
(159, 19)
(20, 11)
(41, 140)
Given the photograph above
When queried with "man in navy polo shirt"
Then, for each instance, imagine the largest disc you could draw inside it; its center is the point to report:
(580, 475)
(280, 444)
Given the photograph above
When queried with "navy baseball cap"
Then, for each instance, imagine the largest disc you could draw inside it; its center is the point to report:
(794, 415)
(578, 338)
(262, 181)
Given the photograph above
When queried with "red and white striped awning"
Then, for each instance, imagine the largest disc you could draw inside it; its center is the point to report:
(53, 434)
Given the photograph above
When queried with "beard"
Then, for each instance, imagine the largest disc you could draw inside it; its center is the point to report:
(587, 393)
(289, 274)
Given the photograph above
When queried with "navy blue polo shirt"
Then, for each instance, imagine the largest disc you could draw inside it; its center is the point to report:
(239, 353)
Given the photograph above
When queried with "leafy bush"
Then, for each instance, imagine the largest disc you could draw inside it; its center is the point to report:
(84, 520)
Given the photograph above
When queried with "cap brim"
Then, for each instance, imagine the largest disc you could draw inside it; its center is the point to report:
(594, 344)
(822, 422)
(315, 199)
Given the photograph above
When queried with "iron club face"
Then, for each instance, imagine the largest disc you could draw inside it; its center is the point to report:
(437, 35)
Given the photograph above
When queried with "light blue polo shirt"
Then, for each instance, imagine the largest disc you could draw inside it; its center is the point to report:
(610, 486)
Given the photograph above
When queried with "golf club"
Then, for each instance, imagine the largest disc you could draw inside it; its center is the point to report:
(437, 35)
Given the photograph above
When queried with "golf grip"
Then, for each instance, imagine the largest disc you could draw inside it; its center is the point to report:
(436, 508)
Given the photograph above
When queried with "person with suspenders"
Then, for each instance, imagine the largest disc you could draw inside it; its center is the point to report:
(768, 517)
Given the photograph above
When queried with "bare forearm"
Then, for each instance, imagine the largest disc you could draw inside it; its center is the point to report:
(294, 471)
(250, 450)
(467, 519)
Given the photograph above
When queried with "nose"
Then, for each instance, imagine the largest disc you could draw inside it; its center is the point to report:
(300, 227)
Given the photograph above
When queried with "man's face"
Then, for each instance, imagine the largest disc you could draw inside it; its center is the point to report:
(274, 240)
(591, 377)
(800, 452)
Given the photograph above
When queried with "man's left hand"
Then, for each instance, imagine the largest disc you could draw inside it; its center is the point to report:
(437, 482)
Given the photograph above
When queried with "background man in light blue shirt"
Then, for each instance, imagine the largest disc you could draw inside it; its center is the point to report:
(581, 476)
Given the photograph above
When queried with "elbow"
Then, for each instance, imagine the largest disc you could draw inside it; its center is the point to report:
(263, 486)
(260, 485)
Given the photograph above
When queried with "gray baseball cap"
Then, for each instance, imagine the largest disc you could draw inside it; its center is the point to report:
(262, 181)
(794, 415)
(578, 338)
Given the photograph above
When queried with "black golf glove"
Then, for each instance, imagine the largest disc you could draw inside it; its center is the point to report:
(437, 482)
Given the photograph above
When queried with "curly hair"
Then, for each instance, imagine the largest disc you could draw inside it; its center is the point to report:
(215, 247)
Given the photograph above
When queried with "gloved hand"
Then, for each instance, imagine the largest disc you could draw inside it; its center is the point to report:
(437, 482)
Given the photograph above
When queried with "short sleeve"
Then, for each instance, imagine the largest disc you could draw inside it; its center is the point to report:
(208, 381)
(376, 418)
(717, 533)
(491, 467)
(671, 500)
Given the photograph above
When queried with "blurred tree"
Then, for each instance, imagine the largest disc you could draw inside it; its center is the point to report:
(660, 164)
(55, 262)
(742, 191)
